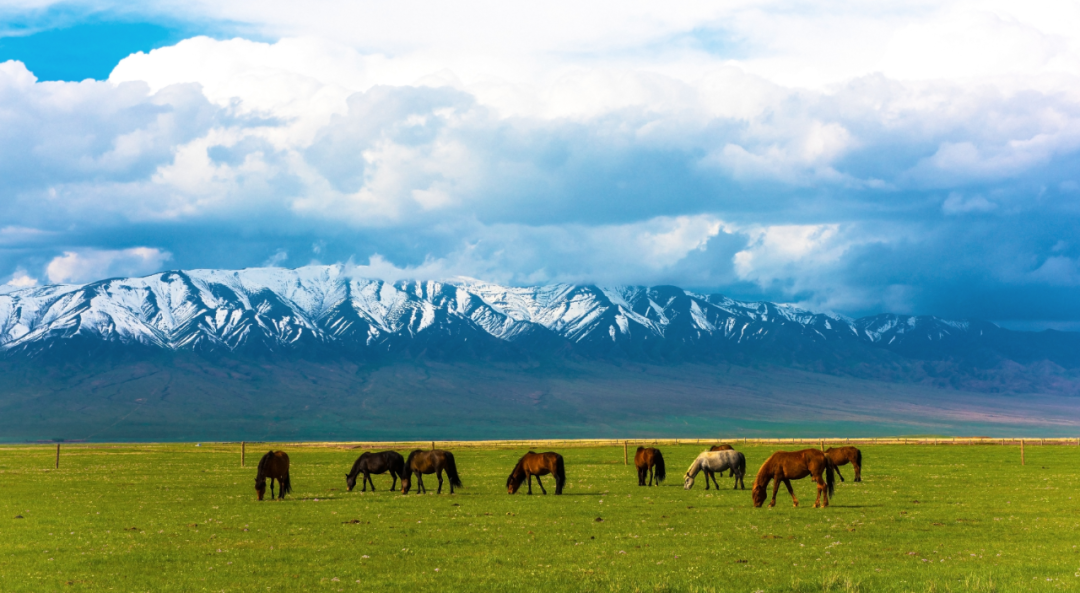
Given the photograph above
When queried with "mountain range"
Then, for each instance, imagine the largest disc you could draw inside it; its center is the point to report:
(324, 319)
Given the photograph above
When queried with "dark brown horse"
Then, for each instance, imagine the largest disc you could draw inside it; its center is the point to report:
(649, 462)
(273, 466)
(537, 464)
(376, 463)
(844, 455)
(784, 466)
(429, 462)
(709, 473)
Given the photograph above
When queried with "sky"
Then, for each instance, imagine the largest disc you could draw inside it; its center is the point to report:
(846, 157)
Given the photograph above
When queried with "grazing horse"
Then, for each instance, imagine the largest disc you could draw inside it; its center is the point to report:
(649, 462)
(376, 463)
(709, 474)
(422, 462)
(784, 466)
(273, 466)
(844, 455)
(716, 461)
(537, 464)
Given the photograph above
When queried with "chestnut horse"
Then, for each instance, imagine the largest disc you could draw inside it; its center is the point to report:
(649, 462)
(537, 464)
(273, 466)
(844, 455)
(429, 462)
(784, 466)
(376, 463)
(709, 474)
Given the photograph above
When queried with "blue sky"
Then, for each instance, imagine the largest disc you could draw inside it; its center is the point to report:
(905, 157)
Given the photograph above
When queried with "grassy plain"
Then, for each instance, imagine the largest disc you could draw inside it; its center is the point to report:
(184, 518)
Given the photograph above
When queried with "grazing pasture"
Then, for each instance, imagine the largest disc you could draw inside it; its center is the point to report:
(185, 518)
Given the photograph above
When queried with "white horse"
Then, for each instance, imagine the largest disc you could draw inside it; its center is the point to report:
(717, 461)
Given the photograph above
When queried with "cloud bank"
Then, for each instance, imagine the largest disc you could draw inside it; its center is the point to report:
(904, 157)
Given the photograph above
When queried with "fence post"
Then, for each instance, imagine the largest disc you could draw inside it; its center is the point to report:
(432, 445)
(823, 445)
(243, 453)
(625, 453)
(1022, 452)
(57, 455)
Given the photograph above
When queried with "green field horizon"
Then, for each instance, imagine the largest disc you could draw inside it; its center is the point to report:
(181, 517)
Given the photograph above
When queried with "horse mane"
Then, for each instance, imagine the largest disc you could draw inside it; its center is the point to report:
(408, 460)
(355, 471)
(517, 468)
(260, 476)
(764, 475)
(695, 467)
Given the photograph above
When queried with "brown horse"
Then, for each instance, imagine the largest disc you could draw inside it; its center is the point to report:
(649, 462)
(784, 466)
(709, 473)
(422, 462)
(537, 464)
(273, 466)
(844, 455)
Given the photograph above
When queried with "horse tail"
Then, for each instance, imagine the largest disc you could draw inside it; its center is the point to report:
(658, 465)
(741, 464)
(830, 481)
(397, 465)
(286, 485)
(858, 457)
(560, 474)
(451, 470)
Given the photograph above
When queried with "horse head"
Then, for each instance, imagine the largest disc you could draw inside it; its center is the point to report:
(688, 482)
(350, 481)
(515, 480)
(405, 482)
(758, 494)
(260, 486)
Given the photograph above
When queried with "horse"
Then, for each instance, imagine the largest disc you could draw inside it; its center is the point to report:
(376, 463)
(716, 461)
(649, 462)
(537, 464)
(429, 462)
(709, 474)
(273, 466)
(784, 466)
(842, 456)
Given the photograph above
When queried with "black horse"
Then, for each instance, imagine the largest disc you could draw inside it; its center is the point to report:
(376, 463)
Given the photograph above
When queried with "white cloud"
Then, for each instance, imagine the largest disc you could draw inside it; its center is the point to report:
(88, 265)
(20, 279)
(956, 203)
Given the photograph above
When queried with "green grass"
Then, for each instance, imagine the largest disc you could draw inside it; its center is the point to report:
(184, 518)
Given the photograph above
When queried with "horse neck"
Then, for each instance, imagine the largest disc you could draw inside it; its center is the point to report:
(765, 474)
(695, 468)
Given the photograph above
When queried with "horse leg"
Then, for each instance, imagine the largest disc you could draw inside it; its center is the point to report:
(438, 475)
(271, 488)
(367, 477)
(791, 491)
(651, 473)
(858, 472)
(420, 483)
(640, 477)
(529, 476)
(541, 484)
(837, 469)
(713, 474)
(775, 489)
(393, 485)
(707, 472)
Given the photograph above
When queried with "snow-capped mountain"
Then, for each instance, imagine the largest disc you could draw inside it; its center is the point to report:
(323, 307)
